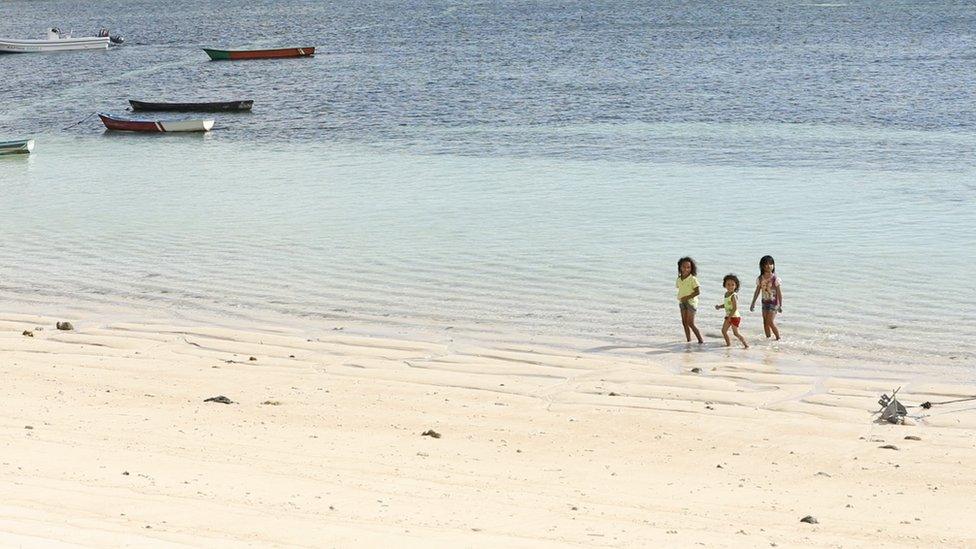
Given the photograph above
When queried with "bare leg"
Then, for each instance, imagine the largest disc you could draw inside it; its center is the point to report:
(684, 324)
(766, 323)
(691, 324)
(772, 324)
(735, 331)
(725, 332)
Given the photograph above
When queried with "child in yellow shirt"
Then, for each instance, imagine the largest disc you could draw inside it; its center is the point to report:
(731, 306)
(688, 290)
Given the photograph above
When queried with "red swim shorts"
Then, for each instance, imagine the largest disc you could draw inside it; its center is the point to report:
(735, 320)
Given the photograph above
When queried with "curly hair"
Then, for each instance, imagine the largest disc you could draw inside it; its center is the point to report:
(733, 278)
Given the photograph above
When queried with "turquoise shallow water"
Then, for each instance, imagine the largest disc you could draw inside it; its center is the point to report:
(509, 171)
(489, 248)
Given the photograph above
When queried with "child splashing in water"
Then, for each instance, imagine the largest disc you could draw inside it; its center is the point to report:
(688, 291)
(772, 295)
(731, 306)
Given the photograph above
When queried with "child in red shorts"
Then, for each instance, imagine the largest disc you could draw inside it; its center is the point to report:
(731, 305)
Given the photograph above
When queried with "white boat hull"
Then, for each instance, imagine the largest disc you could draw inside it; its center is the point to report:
(61, 44)
(138, 125)
(187, 125)
(24, 146)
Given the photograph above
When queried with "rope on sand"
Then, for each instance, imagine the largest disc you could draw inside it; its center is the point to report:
(893, 411)
(928, 404)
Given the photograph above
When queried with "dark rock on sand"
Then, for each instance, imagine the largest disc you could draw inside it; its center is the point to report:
(696, 370)
(430, 433)
(613, 394)
(29, 427)
(271, 403)
(65, 325)
(221, 399)
(913, 437)
(253, 358)
(28, 333)
(809, 520)
(888, 447)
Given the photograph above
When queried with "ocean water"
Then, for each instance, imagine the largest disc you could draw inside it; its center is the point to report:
(509, 171)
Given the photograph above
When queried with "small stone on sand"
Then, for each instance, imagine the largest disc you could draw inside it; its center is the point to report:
(889, 447)
(809, 520)
(28, 333)
(65, 325)
(253, 358)
(220, 399)
(696, 370)
(271, 403)
(29, 427)
(912, 437)
(430, 433)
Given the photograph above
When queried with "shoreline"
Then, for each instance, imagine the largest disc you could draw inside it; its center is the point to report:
(848, 363)
(539, 447)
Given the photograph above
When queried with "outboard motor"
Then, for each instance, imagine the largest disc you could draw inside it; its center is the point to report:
(54, 33)
(116, 39)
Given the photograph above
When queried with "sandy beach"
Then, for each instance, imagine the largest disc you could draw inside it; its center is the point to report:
(108, 441)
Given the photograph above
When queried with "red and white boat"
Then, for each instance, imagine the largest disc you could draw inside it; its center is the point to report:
(113, 122)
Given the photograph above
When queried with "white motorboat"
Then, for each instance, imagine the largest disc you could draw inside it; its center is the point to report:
(55, 41)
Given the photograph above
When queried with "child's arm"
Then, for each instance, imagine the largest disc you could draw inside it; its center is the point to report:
(755, 296)
(735, 306)
(779, 292)
(694, 293)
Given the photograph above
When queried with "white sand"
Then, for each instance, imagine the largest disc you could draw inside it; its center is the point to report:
(534, 452)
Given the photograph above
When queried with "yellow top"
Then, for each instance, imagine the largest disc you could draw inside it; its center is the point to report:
(686, 286)
(728, 306)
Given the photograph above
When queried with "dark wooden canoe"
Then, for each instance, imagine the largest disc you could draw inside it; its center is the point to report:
(233, 55)
(215, 106)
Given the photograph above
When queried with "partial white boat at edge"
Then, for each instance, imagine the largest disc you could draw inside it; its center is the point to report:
(55, 41)
(20, 146)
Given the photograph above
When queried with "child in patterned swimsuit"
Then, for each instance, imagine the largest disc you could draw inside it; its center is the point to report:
(772, 295)
(688, 291)
(731, 306)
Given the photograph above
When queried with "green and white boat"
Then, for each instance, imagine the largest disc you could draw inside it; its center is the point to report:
(23, 146)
